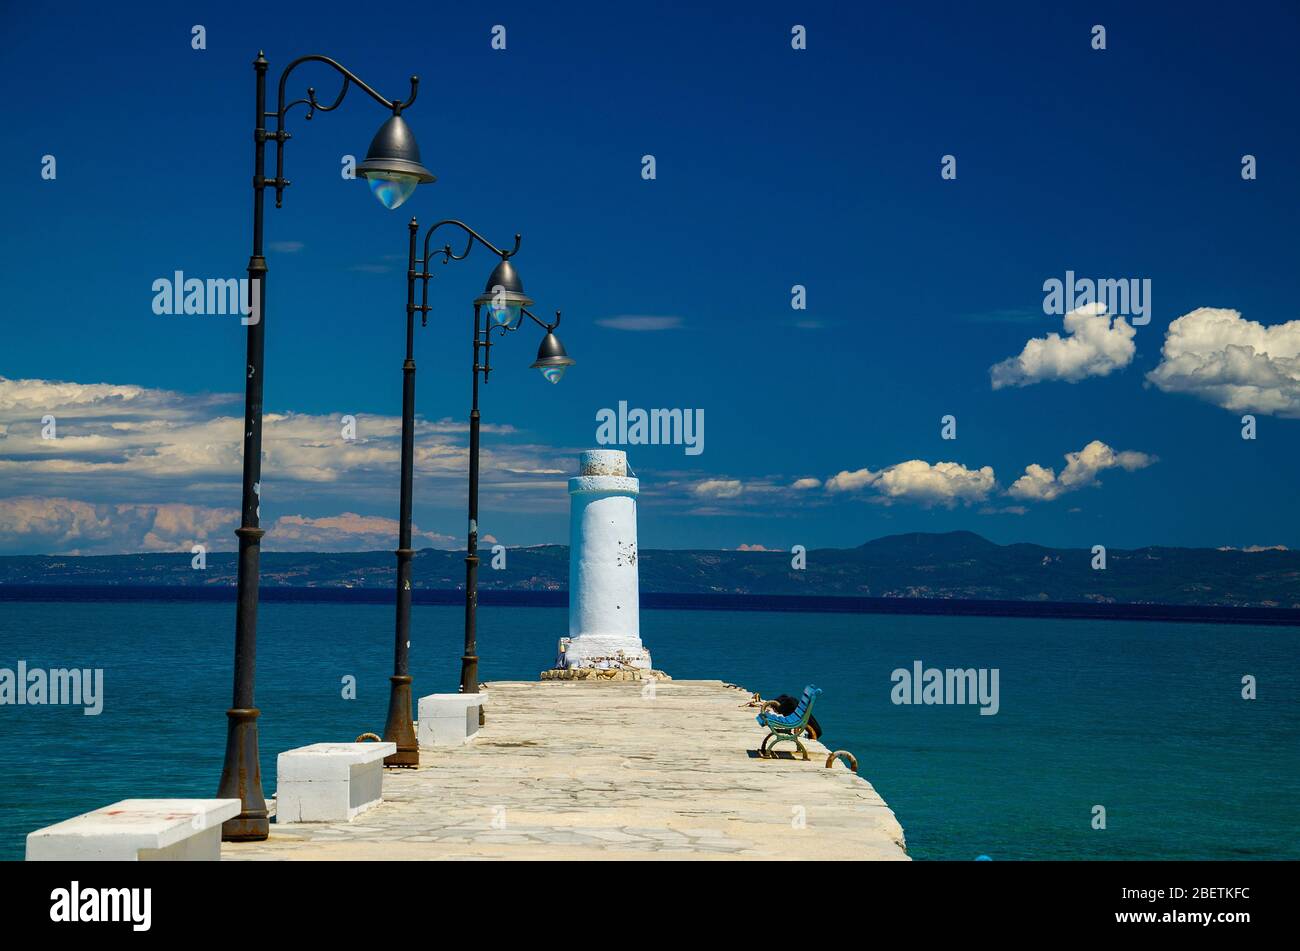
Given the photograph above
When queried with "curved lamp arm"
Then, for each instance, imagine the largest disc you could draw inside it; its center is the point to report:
(449, 255)
(280, 135)
(525, 312)
(349, 77)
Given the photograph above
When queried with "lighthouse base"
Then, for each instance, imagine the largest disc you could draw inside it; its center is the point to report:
(603, 652)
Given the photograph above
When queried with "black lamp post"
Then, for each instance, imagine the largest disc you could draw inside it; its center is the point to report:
(507, 304)
(504, 298)
(392, 167)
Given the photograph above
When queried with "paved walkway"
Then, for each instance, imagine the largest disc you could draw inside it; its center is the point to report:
(566, 770)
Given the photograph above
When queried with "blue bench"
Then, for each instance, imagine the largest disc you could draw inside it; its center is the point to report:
(783, 727)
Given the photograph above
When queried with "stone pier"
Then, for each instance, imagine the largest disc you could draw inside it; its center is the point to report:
(614, 770)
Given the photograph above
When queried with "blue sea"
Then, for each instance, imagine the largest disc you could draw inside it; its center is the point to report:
(1143, 718)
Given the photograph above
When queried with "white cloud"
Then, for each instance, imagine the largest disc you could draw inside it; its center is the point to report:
(718, 489)
(68, 525)
(124, 455)
(1042, 484)
(940, 483)
(65, 526)
(744, 547)
(1234, 363)
(804, 484)
(639, 322)
(346, 532)
(948, 483)
(846, 481)
(725, 494)
(1003, 510)
(28, 400)
(130, 443)
(1094, 345)
(943, 483)
(73, 526)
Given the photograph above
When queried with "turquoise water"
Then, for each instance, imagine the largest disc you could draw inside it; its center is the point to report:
(1145, 719)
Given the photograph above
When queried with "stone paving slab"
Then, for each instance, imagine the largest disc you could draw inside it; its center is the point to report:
(583, 770)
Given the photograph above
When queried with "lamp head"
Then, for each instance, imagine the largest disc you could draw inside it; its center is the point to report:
(392, 164)
(503, 295)
(551, 358)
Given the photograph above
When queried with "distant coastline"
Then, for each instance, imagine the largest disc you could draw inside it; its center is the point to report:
(659, 600)
(947, 573)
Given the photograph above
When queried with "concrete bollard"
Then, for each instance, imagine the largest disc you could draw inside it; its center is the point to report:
(330, 782)
(449, 719)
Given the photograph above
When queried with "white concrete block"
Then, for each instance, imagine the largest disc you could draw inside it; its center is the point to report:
(143, 830)
(330, 782)
(448, 719)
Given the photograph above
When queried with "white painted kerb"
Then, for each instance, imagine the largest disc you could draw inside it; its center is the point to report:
(144, 830)
(448, 719)
(330, 782)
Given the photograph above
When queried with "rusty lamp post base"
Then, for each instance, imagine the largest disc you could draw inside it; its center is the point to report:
(400, 729)
(241, 778)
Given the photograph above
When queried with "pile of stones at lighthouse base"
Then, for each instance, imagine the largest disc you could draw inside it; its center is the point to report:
(604, 673)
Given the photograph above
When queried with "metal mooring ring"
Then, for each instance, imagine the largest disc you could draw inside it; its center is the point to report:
(369, 738)
(850, 760)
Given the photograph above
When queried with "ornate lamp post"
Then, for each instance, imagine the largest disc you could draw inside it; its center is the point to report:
(507, 305)
(552, 361)
(393, 169)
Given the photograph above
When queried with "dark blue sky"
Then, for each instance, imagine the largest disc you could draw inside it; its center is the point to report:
(775, 167)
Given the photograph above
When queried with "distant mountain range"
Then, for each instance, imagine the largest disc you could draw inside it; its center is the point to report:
(952, 565)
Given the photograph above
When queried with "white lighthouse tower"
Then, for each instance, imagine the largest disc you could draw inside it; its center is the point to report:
(604, 593)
